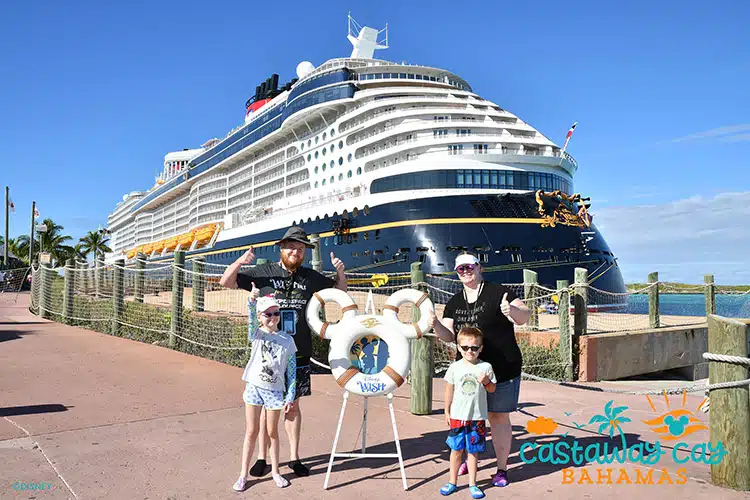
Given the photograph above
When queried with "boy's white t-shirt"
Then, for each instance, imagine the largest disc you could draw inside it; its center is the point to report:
(469, 396)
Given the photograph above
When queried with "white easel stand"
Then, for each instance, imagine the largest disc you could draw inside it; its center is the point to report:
(364, 441)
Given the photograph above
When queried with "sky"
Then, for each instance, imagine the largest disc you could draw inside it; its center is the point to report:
(94, 94)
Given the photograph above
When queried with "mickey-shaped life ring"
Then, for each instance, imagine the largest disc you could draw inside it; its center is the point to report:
(369, 354)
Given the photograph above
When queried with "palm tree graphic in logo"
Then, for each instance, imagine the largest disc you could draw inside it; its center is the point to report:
(674, 424)
(611, 419)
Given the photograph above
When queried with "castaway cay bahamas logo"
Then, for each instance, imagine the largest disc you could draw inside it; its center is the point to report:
(595, 460)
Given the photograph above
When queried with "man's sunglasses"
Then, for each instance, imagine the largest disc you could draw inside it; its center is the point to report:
(472, 348)
(466, 268)
(269, 315)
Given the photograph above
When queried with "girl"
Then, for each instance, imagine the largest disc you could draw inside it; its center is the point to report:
(270, 377)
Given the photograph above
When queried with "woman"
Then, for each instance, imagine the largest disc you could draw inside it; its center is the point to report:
(494, 309)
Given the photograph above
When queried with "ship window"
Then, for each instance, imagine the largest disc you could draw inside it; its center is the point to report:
(341, 177)
(324, 136)
(331, 179)
(332, 148)
(355, 254)
(349, 158)
(422, 249)
(302, 146)
(482, 249)
(316, 155)
(316, 139)
(402, 75)
(359, 170)
(341, 144)
(324, 167)
(341, 161)
(324, 182)
(316, 183)
(332, 164)
(366, 253)
(484, 258)
(366, 235)
(309, 157)
(378, 252)
(419, 77)
(324, 151)
(332, 132)
(308, 143)
(377, 234)
(316, 170)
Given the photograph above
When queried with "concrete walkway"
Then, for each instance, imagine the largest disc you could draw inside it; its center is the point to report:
(102, 417)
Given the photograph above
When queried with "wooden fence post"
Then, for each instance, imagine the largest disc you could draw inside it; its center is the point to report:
(730, 408)
(70, 280)
(653, 301)
(580, 314)
(710, 293)
(563, 316)
(422, 362)
(140, 276)
(178, 289)
(199, 284)
(530, 284)
(118, 294)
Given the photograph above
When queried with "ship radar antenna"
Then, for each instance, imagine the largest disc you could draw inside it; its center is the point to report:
(366, 40)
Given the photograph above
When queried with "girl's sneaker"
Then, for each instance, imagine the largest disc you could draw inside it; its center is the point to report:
(448, 489)
(241, 484)
(280, 481)
(463, 469)
(476, 492)
(500, 479)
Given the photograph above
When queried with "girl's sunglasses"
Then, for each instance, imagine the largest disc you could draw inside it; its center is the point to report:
(472, 348)
(269, 315)
(466, 268)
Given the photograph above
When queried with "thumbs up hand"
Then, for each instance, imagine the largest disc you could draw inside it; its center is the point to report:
(505, 307)
(337, 263)
(254, 293)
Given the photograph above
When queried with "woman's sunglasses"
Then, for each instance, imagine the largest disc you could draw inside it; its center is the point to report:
(269, 315)
(466, 268)
(472, 348)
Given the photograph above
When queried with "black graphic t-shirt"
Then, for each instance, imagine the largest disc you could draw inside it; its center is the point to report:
(293, 291)
(500, 346)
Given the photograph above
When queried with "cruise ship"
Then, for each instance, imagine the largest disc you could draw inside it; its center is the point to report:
(389, 163)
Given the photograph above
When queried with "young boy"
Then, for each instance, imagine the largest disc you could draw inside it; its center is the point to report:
(468, 382)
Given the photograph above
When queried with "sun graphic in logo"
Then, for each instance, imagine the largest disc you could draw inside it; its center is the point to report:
(675, 424)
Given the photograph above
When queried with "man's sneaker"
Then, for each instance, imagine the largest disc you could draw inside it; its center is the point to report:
(500, 479)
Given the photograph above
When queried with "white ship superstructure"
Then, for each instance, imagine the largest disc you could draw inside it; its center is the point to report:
(346, 137)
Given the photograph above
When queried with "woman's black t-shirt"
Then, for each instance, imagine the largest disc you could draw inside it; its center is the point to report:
(500, 346)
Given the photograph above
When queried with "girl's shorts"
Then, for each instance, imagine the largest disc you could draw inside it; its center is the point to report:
(256, 396)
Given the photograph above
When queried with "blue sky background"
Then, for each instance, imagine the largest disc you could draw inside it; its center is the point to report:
(93, 95)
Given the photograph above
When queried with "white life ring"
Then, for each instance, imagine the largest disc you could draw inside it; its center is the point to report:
(420, 300)
(348, 376)
(348, 309)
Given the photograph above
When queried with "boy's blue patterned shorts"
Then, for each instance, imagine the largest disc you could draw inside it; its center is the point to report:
(270, 400)
(469, 435)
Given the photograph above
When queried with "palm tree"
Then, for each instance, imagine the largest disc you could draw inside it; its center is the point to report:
(612, 420)
(95, 242)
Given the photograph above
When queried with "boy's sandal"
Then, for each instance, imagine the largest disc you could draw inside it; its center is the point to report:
(448, 489)
(476, 492)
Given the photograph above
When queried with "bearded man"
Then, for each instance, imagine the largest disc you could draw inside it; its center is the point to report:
(293, 286)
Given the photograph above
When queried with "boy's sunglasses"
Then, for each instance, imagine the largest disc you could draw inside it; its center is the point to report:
(472, 348)
(466, 268)
(268, 315)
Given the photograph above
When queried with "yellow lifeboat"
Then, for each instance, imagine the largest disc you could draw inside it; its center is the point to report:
(186, 239)
(205, 233)
(132, 253)
(147, 248)
(170, 243)
(158, 246)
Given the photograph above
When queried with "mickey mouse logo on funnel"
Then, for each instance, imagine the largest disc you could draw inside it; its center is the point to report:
(369, 354)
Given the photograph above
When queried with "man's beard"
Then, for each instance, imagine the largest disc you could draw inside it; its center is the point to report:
(289, 264)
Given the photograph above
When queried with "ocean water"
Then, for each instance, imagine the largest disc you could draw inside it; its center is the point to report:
(730, 306)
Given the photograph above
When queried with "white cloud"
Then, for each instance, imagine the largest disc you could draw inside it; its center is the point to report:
(729, 133)
(683, 239)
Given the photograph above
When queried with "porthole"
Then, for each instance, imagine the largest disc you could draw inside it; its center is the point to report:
(316, 139)
(316, 155)
(349, 158)
(302, 146)
(309, 157)
(359, 170)
(308, 143)
(349, 174)
(332, 148)
(341, 144)
(324, 182)
(324, 167)
(341, 161)
(316, 170)
(324, 151)
(341, 177)
(331, 179)
(316, 183)
(332, 164)
(324, 136)
(332, 132)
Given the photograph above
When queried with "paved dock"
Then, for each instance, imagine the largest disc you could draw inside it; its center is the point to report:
(96, 416)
